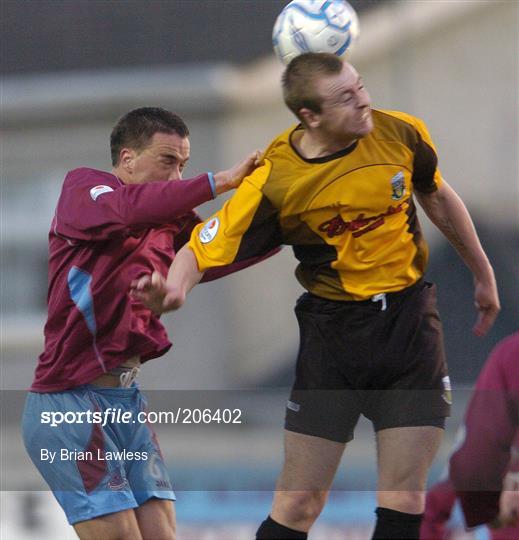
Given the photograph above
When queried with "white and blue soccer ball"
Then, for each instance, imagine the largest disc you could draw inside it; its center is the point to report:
(314, 26)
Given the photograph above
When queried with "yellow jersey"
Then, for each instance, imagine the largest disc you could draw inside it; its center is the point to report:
(349, 216)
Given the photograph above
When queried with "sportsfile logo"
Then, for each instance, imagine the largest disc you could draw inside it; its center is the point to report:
(111, 415)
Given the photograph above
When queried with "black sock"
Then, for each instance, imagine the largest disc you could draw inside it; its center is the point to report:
(271, 530)
(392, 524)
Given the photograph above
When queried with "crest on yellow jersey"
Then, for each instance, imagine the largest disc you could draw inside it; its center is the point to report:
(398, 186)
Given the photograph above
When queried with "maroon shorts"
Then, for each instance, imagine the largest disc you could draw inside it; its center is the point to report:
(383, 359)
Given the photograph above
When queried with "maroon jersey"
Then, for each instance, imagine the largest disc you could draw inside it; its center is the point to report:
(492, 423)
(439, 504)
(105, 234)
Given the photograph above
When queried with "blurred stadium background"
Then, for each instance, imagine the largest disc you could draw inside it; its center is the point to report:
(70, 68)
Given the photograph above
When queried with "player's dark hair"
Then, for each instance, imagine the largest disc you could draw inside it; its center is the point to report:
(298, 81)
(136, 128)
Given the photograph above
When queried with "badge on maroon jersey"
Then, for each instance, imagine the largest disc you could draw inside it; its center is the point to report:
(99, 190)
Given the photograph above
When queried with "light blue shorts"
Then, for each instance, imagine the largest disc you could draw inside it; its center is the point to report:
(95, 469)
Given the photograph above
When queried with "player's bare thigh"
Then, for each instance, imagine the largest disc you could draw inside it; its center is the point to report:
(153, 519)
(156, 519)
(310, 462)
(405, 455)
(302, 488)
(116, 526)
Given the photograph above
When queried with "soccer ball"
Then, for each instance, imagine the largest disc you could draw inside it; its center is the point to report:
(314, 26)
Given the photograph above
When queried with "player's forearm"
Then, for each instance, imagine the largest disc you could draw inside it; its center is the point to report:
(183, 275)
(161, 294)
(448, 212)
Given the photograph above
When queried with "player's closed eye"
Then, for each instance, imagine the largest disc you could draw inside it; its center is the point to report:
(345, 98)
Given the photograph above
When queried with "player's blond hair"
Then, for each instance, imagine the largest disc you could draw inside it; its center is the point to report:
(298, 81)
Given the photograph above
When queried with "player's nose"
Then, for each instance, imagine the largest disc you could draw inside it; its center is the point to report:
(175, 174)
(363, 100)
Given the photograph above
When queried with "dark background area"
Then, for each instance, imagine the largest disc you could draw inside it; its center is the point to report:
(56, 35)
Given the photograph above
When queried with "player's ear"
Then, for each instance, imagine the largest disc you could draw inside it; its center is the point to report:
(310, 118)
(126, 159)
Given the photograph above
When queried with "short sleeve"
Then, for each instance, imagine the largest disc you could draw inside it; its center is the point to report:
(246, 226)
(426, 176)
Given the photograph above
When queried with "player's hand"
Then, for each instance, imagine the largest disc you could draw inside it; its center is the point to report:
(154, 292)
(486, 300)
(509, 501)
(232, 178)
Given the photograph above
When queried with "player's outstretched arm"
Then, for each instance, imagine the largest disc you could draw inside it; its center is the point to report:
(448, 212)
(160, 294)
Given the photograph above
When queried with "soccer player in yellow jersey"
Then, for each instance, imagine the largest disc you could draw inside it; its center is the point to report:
(341, 188)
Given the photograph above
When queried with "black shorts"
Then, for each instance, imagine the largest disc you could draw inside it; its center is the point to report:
(358, 358)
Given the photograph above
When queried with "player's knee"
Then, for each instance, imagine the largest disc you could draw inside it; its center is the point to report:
(403, 480)
(300, 508)
(411, 502)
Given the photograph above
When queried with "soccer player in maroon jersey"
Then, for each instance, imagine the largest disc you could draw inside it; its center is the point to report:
(110, 228)
(478, 469)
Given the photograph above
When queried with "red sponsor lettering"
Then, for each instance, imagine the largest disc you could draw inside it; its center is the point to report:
(358, 226)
